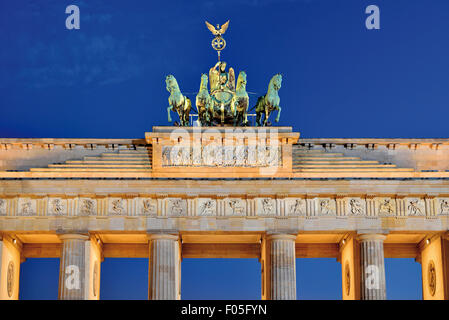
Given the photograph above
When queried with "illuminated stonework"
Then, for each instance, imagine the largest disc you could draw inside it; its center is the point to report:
(432, 277)
(352, 199)
(10, 279)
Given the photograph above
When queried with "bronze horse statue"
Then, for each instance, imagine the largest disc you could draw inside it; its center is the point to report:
(240, 101)
(203, 102)
(177, 101)
(269, 102)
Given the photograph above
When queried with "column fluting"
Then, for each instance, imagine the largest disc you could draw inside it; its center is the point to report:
(372, 267)
(72, 267)
(164, 275)
(283, 266)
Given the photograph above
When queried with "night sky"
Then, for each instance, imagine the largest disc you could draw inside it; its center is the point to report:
(340, 80)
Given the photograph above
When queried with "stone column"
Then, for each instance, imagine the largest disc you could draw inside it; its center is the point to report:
(10, 258)
(372, 267)
(164, 267)
(434, 259)
(279, 267)
(349, 258)
(72, 269)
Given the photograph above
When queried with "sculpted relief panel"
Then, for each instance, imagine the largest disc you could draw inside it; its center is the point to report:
(147, 207)
(117, 207)
(57, 207)
(206, 207)
(386, 206)
(235, 207)
(415, 207)
(266, 206)
(325, 206)
(355, 207)
(222, 156)
(443, 206)
(87, 207)
(295, 207)
(27, 207)
(176, 207)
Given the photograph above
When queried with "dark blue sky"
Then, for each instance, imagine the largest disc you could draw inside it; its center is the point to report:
(318, 278)
(106, 80)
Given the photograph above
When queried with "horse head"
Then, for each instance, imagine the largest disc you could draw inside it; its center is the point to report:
(171, 83)
(276, 81)
(204, 79)
(241, 80)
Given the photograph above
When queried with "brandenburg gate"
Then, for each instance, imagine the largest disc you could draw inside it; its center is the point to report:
(178, 194)
(225, 188)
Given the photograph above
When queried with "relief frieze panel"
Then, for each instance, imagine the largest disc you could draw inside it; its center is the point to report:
(87, 207)
(266, 207)
(385, 206)
(57, 207)
(415, 207)
(176, 207)
(147, 207)
(443, 206)
(117, 207)
(222, 156)
(206, 207)
(235, 207)
(325, 207)
(229, 206)
(27, 207)
(355, 207)
(295, 207)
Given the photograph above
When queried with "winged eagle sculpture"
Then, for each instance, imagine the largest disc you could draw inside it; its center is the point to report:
(218, 43)
(218, 31)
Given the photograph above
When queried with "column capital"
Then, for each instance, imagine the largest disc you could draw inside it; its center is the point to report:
(163, 236)
(371, 237)
(281, 236)
(73, 236)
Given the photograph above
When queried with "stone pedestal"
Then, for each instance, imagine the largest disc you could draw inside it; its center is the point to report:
(279, 267)
(243, 152)
(9, 269)
(79, 273)
(164, 267)
(372, 267)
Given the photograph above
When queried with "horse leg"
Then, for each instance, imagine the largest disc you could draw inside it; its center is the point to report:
(183, 118)
(185, 115)
(168, 111)
(267, 115)
(258, 117)
(279, 114)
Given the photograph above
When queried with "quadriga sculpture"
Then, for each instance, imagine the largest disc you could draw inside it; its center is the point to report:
(203, 102)
(240, 101)
(269, 102)
(177, 101)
